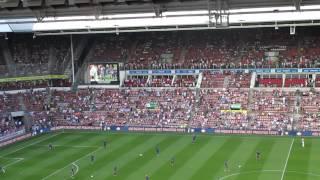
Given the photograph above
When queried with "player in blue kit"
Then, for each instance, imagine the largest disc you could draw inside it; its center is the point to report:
(258, 155)
(50, 147)
(172, 161)
(194, 138)
(2, 169)
(115, 170)
(92, 157)
(226, 165)
(105, 144)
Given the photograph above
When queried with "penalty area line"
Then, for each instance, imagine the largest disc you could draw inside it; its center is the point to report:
(72, 163)
(31, 144)
(285, 165)
(267, 171)
(67, 146)
(77, 168)
(14, 162)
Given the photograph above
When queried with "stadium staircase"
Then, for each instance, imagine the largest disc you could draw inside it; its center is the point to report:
(195, 106)
(243, 52)
(68, 72)
(250, 103)
(27, 119)
(226, 82)
(173, 80)
(183, 55)
(297, 109)
(8, 57)
(253, 80)
(53, 62)
(149, 79)
(79, 46)
(184, 48)
(299, 49)
(199, 81)
(81, 71)
(49, 96)
(132, 50)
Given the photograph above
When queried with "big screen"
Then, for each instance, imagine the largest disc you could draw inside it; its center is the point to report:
(104, 73)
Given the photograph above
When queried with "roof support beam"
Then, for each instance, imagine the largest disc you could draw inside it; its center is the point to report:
(297, 4)
(97, 11)
(221, 13)
(40, 14)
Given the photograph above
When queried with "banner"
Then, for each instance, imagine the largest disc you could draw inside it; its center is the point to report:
(234, 111)
(185, 71)
(311, 70)
(245, 70)
(152, 105)
(164, 71)
(32, 78)
(287, 70)
(138, 72)
(235, 106)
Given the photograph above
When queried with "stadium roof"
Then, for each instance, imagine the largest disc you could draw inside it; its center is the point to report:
(94, 16)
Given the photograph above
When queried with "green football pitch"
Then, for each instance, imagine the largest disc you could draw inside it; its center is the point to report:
(134, 155)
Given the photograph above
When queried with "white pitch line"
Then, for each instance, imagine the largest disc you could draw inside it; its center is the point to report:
(77, 168)
(28, 145)
(14, 162)
(307, 173)
(68, 146)
(262, 171)
(55, 172)
(285, 166)
(247, 172)
(9, 157)
(245, 136)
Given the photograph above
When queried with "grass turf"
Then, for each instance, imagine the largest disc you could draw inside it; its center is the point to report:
(282, 157)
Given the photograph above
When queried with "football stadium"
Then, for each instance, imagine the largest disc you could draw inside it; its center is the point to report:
(160, 89)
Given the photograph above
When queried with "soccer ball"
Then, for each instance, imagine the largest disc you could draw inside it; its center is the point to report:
(91, 176)
(140, 155)
(239, 166)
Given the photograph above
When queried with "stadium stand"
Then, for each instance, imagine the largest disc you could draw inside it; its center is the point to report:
(112, 48)
(214, 105)
(309, 103)
(171, 50)
(226, 80)
(272, 110)
(136, 81)
(38, 56)
(270, 81)
(208, 98)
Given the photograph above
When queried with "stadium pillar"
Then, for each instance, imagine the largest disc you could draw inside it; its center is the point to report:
(72, 58)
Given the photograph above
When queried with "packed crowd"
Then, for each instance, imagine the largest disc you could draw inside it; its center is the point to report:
(156, 50)
(9, 125)
(136, 81)
(20, 85)
(272, 110)
(225, 80)
(172, 50)
(221, 108)
(208, 50)
(161, 81)
(124, 107)
(159, 50)
(34, 56)
(310, 103)
(273, 80)
(111, 48)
